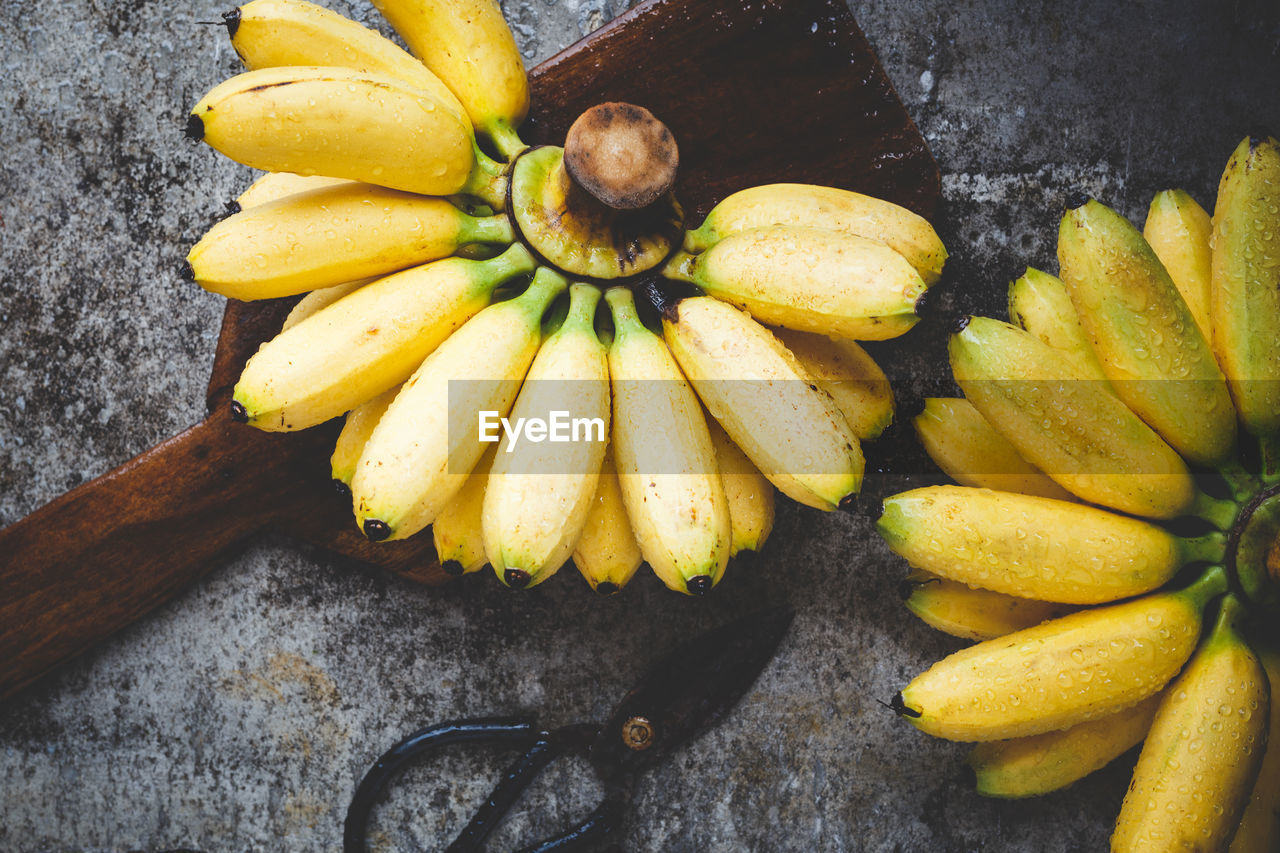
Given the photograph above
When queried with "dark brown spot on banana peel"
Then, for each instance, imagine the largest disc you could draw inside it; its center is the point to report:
(900, 707)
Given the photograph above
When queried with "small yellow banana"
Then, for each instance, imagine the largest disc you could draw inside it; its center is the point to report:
(607, 553)
(1040, 303)
(1260, 824)
(1145, 336)
(276, 185)
(540, 489)
(666, 463)
(1081, 667)
(761, 395)
(1035, 547)
(458, 530)
(1179, 231)
(824, 207)
(331, 236)
(970, 612)
(278, 33)
(1079, 433)
(749, 493)
(356, 430)
(427, 443)
(361, 125)
(316, 300)
(845, 371)
(1035, 765)
(366, 342)
(811, 279)
(1246, 281)
(970, 451)
(1200, 760)
(469, 46)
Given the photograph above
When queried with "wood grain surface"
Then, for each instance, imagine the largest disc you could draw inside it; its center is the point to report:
(755, 91)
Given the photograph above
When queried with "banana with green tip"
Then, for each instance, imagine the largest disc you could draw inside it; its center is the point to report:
(852, 378)
(811, 279)
(1180, 233)
(1062, 673)
(366, 342)
(329, 236)
(607, 554)
(1246, 282)
(343, 123)
(750, 494)
(427, 443)
(666, 463)
(970, 451)
(761, 395)
(1079, 433)
(1040, 303)
(1260, 824)
(1035, 547)
(540, 489)
(905, 232)
(356, 429)
(468, 45)
(1035, 765)
(1202, 755)
(458, 530)
(970, 612)
(1145, 336)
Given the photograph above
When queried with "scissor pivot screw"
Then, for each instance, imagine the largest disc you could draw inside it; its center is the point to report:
(637, 733)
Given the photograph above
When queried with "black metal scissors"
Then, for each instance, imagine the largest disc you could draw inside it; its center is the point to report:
(683, 694)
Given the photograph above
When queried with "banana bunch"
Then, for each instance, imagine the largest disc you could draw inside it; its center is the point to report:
(488, 392)
(1115, 403)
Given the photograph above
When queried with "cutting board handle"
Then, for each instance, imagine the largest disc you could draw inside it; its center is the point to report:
(100, 556)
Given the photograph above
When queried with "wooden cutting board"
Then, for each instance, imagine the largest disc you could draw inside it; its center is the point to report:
(755, 91)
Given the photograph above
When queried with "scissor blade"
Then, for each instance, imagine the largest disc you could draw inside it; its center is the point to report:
(692, 688)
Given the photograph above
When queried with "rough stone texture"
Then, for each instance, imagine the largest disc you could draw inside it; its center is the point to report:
(240, 716)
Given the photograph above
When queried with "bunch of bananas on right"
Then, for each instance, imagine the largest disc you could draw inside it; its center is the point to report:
(1080, 548)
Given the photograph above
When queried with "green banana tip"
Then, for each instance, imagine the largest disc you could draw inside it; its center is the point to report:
(194, 129)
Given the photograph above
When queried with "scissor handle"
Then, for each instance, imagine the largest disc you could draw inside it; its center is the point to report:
(604, 820)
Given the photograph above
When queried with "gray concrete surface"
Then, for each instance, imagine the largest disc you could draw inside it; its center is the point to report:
(240, 716)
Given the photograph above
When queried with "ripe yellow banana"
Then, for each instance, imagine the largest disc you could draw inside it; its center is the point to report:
(278, 33)
(1040, 303)
(316, 300)
(330, 236)
(845, 371)
(749, 493)
(1246, 281)
(458, 531)
(666, 464)
(427, 443)
(761, 395)
(366, 342)
(1035, 547)
(356, 430)
(1035, 765)
(468, 45)
(972, 613)
(812, 279)
(342, 123)
(540, 490)
(970, 451)
(277, 185)
(1260, 824)
(1179, 231)
(607, 553)
(1079, 433)
(1200, 760)
(906, 233)
(1081, 667)
(1144, 334)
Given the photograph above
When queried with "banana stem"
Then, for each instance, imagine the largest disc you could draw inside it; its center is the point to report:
(504, 138)
(1242, 483)
(1209, 548)
(487, 181)
(1220, 513)
(680, 267)
(1208, 586)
